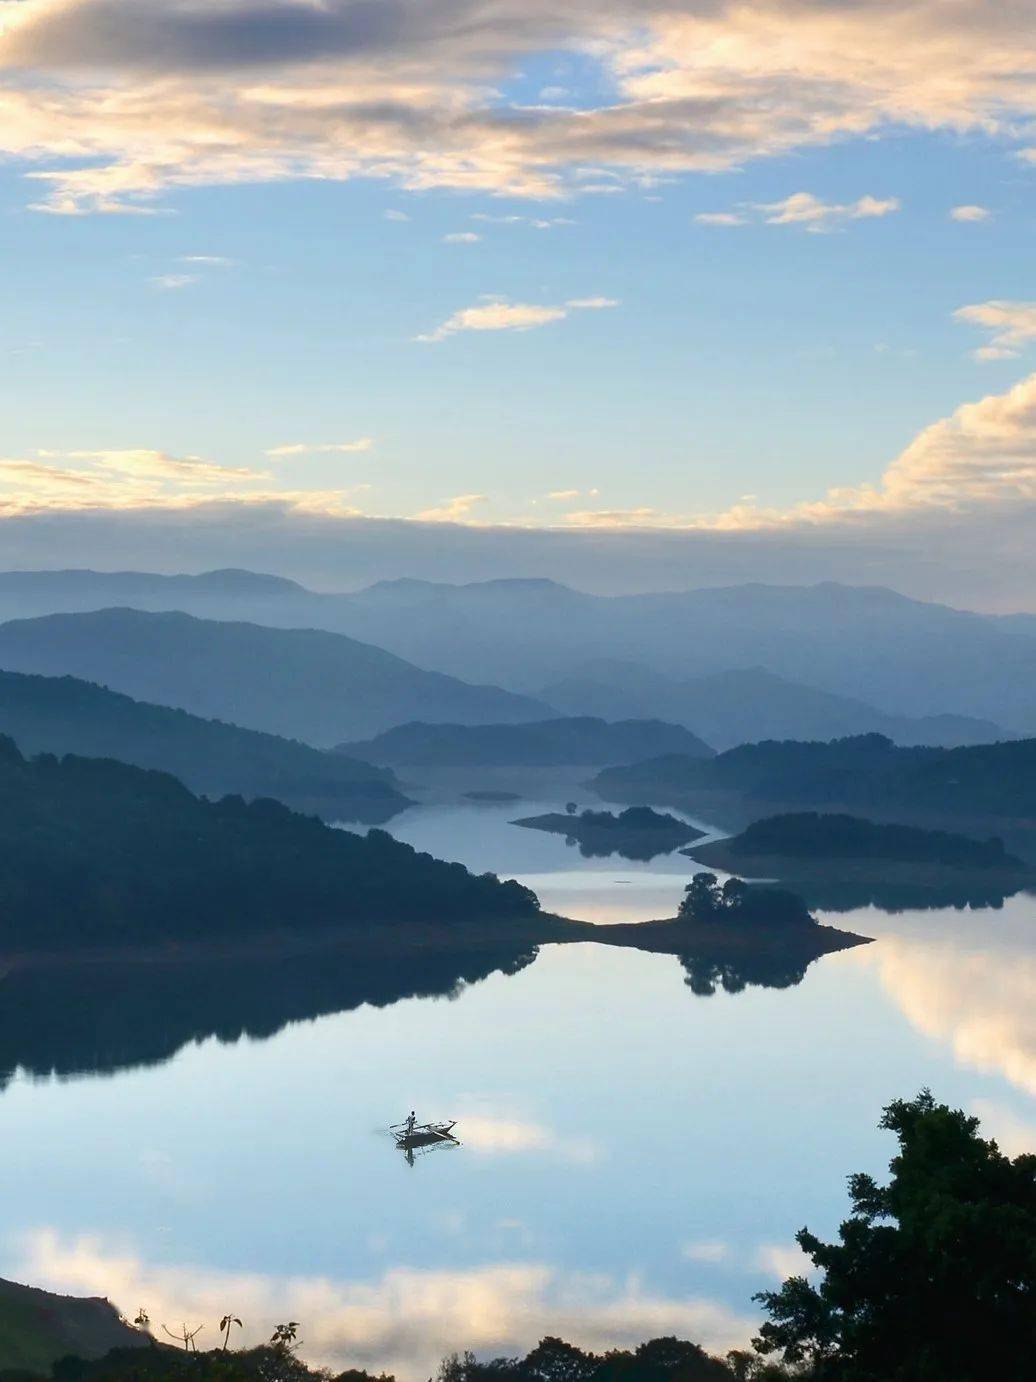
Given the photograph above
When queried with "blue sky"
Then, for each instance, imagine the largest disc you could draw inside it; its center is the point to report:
(722, 374)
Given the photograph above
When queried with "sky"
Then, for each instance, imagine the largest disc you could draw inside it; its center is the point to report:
(720, 290)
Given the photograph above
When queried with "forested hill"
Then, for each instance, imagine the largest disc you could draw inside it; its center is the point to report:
(575, 740)
(64, 715)
(95, 853)
(301, 683)
(867, 770)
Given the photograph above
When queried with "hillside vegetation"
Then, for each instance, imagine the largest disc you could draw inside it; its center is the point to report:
(64, 715)
(95, 853)
(997, 780)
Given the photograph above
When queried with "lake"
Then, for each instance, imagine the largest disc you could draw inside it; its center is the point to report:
(636, 1156)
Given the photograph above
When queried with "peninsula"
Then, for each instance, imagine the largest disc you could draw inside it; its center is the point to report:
(808, 847)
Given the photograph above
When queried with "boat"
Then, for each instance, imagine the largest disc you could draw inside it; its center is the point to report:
(412, 1137)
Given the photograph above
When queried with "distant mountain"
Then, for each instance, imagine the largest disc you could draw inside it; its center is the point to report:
(748, 704)
(62, 715)
(868, 771)
(901, 656)
(581, 741)
(300, 683)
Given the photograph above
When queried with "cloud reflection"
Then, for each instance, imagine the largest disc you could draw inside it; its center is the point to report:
(404, 1321)
(980, 1001)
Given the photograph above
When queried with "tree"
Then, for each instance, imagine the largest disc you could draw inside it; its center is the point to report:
(571, 808)
(226, 1324)
(934, 1274)
(552, 1360)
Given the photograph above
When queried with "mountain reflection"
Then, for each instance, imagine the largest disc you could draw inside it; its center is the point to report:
(103, 1018)
(641, 852)
(100, 1019)
(902, 897)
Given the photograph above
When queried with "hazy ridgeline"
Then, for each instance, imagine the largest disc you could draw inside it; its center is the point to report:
(850, 659)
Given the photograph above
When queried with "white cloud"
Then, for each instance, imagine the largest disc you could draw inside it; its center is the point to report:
(118, 101)
(404, 1321)
(305, 448)
(499, 315)
(213, 261)
(1011, 324)
(970, 212)
(393, 215)
(710, 1251)
(461, 237)
(782, 1260)
(173, 281)
(1013, 1135)
(455, 510)
(721, 218)
(804, 209)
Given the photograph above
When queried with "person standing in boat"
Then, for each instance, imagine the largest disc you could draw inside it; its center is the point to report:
(410, 1122)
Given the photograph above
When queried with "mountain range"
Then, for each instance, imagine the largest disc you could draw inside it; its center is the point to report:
(63, 715)
(299, 683)
(747, 704)
(902, 657)
(582, 741)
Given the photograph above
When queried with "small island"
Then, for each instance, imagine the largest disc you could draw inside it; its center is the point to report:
(722, 926)
(636, 833)
(808, 847)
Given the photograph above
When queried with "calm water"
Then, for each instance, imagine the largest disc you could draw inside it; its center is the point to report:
(636, 1157)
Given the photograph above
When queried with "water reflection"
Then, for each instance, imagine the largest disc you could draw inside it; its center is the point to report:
(639, 852)
(404, 1320)
(100, 1019)
(903, 897)
(974, 991)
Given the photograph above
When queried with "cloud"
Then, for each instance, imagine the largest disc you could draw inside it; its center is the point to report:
(117, 102)
(144, 479)
(174, 281)
(393, 215)
(712, 1251)
(455, 510)
(1011, 324)
(499, 315)
(782, 1260)
(404, 1321)
(803, 209)
(461, 237)
(970, 213)
(1013, 1135)
(305, 448)
(212, 261)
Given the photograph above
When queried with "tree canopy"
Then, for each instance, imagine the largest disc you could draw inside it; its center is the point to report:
(933, 1276)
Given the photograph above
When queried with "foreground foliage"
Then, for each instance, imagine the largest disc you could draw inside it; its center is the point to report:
(933, 1278)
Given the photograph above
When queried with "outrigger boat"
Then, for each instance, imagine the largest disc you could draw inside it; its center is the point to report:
(412, 1136)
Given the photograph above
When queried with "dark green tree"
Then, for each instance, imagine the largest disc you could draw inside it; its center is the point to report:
(933, 1278)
